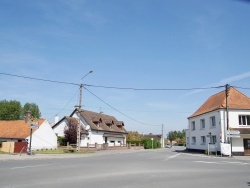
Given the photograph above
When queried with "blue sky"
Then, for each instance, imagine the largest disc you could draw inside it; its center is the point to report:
(129, 44)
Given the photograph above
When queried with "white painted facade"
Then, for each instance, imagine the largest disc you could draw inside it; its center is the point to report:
(93, 136)
(59, 130)
(43, 137)
(195, 137)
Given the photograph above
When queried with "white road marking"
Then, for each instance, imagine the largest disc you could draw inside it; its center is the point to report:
(222, 162)
(173, 156)
(27, 167)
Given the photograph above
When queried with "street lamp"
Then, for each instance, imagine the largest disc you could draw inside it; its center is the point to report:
(152, 143)
(87, 74)
(81, 86)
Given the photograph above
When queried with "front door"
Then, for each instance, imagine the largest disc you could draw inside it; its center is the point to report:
(247, 146)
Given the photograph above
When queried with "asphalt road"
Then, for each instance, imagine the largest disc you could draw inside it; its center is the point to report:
(141, 168)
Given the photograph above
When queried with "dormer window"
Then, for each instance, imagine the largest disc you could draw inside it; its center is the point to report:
(108, 123)
(119, 124)
(96, 121)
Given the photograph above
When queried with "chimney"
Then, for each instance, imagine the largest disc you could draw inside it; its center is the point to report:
(56, 118)
(27, 116)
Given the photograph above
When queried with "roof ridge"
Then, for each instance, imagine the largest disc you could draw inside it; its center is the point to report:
(236, 100)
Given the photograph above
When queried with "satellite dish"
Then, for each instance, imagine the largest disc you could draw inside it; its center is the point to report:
(87, 128)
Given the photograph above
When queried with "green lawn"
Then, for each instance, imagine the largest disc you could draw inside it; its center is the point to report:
(58, 151)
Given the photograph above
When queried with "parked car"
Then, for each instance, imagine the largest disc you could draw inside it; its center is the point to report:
(168, 146)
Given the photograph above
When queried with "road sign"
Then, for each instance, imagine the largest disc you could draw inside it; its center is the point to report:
(233, 132)
(34, 123)
(34, 127)
(233, 136)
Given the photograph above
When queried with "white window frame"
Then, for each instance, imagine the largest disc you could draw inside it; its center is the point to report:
(212, 121)
(244, 120)
(202, 124)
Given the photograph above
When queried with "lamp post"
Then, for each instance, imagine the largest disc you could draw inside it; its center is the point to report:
(78, 114)
(152, 143)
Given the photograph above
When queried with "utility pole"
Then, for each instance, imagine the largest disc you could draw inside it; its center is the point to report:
(227, 120)
(78, 140)
(162, 137)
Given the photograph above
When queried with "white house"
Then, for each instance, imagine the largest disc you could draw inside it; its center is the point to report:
(19, 131)
(209, 123)
(96, 128)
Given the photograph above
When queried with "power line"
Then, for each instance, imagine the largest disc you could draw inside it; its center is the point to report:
(150, 89)
(113, 87)
(63, 108)
(39, 79)
(118, 110)
(241, 87)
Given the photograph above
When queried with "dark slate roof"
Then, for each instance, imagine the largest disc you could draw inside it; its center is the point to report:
(71, 120)
(154, 136)
(102, 122)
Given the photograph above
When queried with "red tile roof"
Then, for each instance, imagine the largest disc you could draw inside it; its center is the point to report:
(236, 100)
(17, 129)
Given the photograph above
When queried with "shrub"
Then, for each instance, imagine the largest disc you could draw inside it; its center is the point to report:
(61, 140)
(147, 142)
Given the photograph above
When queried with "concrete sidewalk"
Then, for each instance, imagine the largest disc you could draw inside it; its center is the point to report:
(8, 157)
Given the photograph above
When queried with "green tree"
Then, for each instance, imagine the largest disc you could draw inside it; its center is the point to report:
(33, 108)
(172, 135)
(133, 136)
(179, 136)
(10, 110)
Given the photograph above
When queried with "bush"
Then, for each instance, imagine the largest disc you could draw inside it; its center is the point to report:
(147, 142)
(61, 140)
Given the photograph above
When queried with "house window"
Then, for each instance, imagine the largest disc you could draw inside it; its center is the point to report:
(112, 141)
(193, 140)
(203, 140)
(202, 122)
(213, 139)
(244, 119)
(187, 140)
(193, 125)
(212, 121)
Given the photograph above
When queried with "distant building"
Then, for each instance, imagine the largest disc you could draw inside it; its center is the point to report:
(157, 137)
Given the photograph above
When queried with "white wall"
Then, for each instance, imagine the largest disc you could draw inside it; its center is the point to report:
(198, 132)
(44, 137)
(219, 130)
(234, 118)
(59, 129)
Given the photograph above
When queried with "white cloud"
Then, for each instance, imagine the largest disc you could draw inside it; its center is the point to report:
(224, 81)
